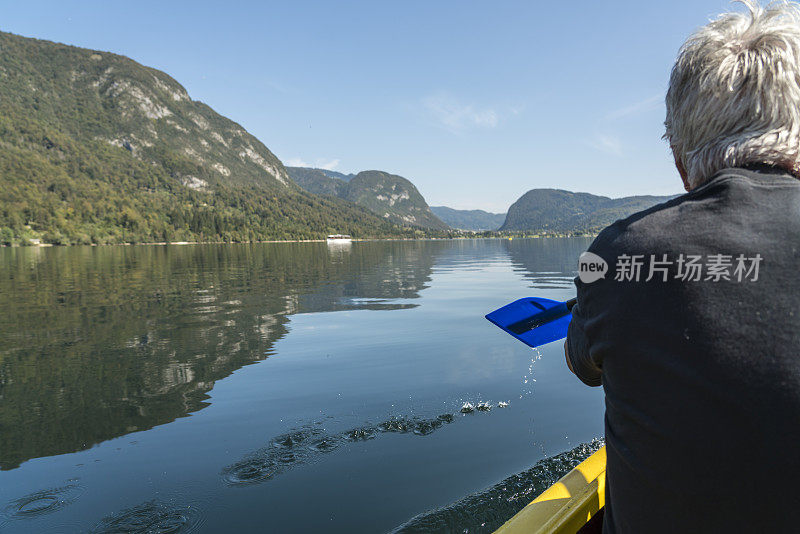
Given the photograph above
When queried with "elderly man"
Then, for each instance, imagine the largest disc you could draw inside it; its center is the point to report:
(694, 333)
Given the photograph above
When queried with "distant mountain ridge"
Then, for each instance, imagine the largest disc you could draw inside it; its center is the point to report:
(475, 220)
(559, 211)
(334, 174)
(317, 181)
(96, 148)
(388, 195)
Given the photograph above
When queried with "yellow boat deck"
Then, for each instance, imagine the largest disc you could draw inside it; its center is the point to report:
(567, 505)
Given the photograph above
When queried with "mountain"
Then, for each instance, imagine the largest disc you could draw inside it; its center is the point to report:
(339, 175)
(96, 148)
(390, 196)
(318, 181)
(475, 220)
(555, 210)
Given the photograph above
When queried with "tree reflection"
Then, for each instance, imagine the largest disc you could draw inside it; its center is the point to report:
(551, 263)
(98, 342)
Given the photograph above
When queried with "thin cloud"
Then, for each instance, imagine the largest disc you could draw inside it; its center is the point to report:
(456, 116)
(296, 162)
(610, 144)
(642, 106)
(328, 165)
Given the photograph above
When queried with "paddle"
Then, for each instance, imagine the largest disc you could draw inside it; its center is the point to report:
(533, 320)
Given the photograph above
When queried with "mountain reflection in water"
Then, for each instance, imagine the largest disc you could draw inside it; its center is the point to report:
(551, 264)
(102, 341)
(351, 420)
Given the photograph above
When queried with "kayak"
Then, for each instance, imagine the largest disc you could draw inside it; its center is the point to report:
(567, 505)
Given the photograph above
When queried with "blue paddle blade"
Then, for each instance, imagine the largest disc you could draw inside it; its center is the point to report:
(534, 321)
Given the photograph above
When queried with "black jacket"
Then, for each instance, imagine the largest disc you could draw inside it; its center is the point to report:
(701, 372)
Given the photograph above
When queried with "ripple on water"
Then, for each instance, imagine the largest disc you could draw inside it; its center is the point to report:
(43, 501)
(295, 438)
(288, 458)
(151, 517)
(305, 444)
(423, 428)
(325, 444)
(283, 452)
(250, 471)
(360, 434)
(400, 425)
(487, 510)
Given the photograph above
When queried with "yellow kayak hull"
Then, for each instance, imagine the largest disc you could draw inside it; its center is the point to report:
(567, 505)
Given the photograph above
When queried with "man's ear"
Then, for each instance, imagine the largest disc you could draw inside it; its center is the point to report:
(685, 182)
(682, 171)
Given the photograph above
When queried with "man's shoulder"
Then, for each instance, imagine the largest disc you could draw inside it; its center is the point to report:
(641, 226)
(735, 194)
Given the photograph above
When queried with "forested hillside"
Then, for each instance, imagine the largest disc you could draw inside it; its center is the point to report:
(475, 220)
(555, 210)
(96, 148)
(390, 196)
(317, 181)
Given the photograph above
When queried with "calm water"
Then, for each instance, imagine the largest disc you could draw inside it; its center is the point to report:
(279, 387)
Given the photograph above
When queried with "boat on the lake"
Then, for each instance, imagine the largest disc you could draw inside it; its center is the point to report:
(339, 238)
(568, 506)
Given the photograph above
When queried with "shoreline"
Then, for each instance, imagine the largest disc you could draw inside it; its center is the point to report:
(185, 243)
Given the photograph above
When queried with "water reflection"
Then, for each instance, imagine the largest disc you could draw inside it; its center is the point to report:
(151, 517)
(303, 445)
(486, 511)
(42, 502)
(552, 263)
(99, 342)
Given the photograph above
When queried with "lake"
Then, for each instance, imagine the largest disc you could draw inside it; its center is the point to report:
(283, 387)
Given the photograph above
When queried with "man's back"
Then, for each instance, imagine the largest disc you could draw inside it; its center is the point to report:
(701, 371)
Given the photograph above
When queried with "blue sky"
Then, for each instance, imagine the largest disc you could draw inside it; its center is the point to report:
(475, 102)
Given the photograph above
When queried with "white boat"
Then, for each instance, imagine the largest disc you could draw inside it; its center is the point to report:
(339, 238)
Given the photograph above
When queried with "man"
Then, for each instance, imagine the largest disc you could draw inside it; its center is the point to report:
(694, 333)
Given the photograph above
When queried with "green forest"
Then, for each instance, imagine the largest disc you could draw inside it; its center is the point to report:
(65, 192)
(97, 149)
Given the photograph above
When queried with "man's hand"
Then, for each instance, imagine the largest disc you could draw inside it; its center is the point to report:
(566, 355)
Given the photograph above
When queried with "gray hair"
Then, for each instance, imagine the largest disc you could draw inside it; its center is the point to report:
(734, 93)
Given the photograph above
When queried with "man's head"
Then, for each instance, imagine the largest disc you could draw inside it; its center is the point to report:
(734, 94)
